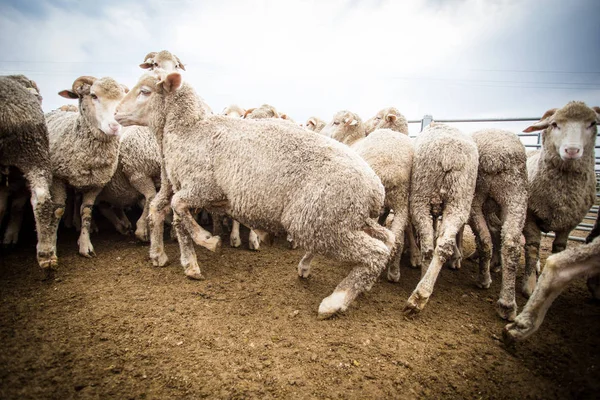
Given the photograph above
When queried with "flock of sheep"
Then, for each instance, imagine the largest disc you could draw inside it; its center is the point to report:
(351, 190)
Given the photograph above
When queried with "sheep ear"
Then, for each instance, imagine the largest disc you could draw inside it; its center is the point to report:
(67, 94)
(597, 109)
(391, 117)
(172, 82)
(148, 60)
(248, 111)
(311, 121)
(284, 116)
(350, 121)
(125, 88)
(543, 123)
(145, 65)
(180, 63)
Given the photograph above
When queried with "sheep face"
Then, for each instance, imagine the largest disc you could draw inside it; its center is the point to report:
(98, 100)
(345, 127)
(164, 60)
(569, 131)
(233, 111)
(264, 111)
(315, 124)
(139, 105)
(385, 118)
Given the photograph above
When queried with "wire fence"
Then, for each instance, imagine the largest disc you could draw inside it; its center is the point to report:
(530, 141)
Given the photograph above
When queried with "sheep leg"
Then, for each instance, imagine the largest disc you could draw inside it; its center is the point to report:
(86, 248)
(415, 252)
(372, 255)
(253, 240)
(593, 284)
(188, 258)
(234, 238)
(217, 221)
(47, 213)
(144, 185)
(452, 221)
(560, 241)
(424, 224)
(559, 271)
(455, 261)
(496, 263)
(3, 201)
(533, 237)
(514, 218)
(484, 246)
(181, 206)
(399, 223)
(304, 265)
(122, 226)
(11, 235)
(69, 210)
(159, 207)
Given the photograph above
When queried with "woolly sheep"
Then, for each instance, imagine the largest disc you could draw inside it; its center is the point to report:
(560, 270)
(136, 177)
(84, 147)
(24, 145)
(562, 180)
(389, 118)
(268, 174)
(264, 111)
(315, 124)
(443, 181)
(234, 111)
(390, 155)
(502, 186)
(68, 107)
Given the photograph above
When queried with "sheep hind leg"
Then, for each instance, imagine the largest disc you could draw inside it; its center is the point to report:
(372, 254)
(234, 238)
(415, 252)
(559, 271)
(444, 249)
(532, 256)
(188, 258)
(593, 284)
(144, 185)
(455, 261)
(484, 246)
(86, 248)
(157, 212)
(199, 235)
(304, 265)
(11, 235)
(397, 228)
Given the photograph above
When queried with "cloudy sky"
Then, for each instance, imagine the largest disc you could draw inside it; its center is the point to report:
(447, 58)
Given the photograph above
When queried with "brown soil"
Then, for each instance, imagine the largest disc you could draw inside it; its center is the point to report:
(115, 327)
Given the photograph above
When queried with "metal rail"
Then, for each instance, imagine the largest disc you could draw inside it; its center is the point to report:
(582, 227)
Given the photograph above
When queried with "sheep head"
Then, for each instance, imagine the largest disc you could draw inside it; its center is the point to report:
(569, 131)
(345, 127)
(389, 118)
(162, 60)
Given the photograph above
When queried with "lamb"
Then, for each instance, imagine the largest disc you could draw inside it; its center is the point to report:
(443, 180)
(560, 270)
(389, 118)
(315, 124)
(501, 188)
(562, 180)
(390, 155)
(264, 111)
(267, 174)
(137, 176)
(24, 146)
(68, 107)
(84, 147)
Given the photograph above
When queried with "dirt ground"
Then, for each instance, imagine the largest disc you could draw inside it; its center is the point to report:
(115, 327)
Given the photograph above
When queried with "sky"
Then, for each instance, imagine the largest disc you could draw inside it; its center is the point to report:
(446, 58)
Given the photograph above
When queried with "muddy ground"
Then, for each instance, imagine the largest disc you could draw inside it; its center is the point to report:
(115, 327)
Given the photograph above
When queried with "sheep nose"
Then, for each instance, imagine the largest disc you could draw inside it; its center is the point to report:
(572, 151)
(114, 126)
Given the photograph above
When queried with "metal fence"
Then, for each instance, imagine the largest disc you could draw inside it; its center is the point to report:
(588, 222)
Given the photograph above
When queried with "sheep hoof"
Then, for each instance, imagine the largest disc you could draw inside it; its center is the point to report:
(160, 260)
(516, 331)
(142, 235)
(254, 243)
(194, 273)
(87, 252)
(506, 311)
(415, 303)
(415, 261)
(333, 304)
(303, 272)
(484, 281)
(529, 285)
(235, 241)
(393, 274)
(47, 262)
(213, 244)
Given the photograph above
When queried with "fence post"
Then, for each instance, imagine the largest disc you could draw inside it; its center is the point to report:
(427, 119)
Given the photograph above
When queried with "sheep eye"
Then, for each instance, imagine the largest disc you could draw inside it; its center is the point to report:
(145, 92)
(554, 125)
(336, 122)
(593, 124)
(94, 97)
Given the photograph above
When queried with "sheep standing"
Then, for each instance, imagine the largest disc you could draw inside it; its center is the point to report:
(560, 269)
(84, 147)
(562, 180)
(502, 184)
(268, 174)
(24, 145)
(315, 124)
(443, 181)
(388, 118)
(136, 177)
(390, 154)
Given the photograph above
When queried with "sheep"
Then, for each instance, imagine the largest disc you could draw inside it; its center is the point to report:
(267, 174)
(443, 181)
(562, 180)
(389, 118)
(234, 111)
(560, 269)
(68, 107)
(137, 175)
(502, 188)
(315, 124)
(390, 155)
(84, 147)
(264, 111)
(24, 145)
